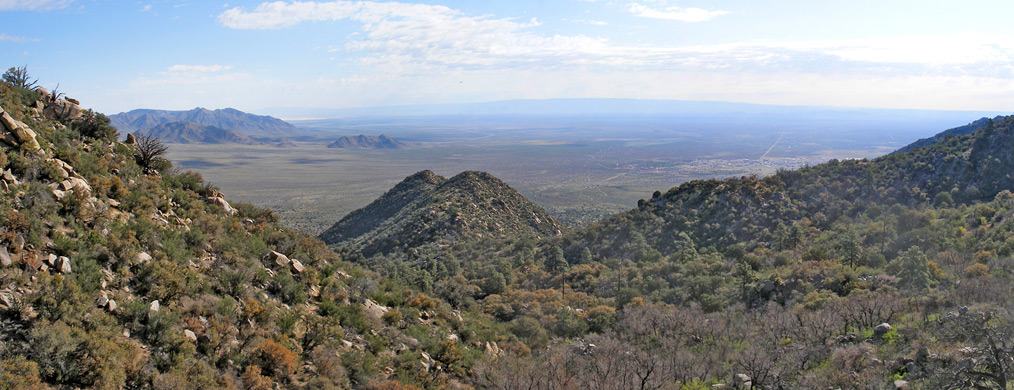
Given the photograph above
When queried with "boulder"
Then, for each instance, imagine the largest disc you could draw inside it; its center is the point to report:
(374, 309)
(492, 350)
(20, 134)
(27, 137)
(111, 306)
(223, 203)
(63, 264)
(154, 306)
(143, 258)
(62, 110)
(7, 121)
(190, 335)
(44, 95)
(296, 266)
(76, 182)
(5, 257)
(882, 329)
(278, 258)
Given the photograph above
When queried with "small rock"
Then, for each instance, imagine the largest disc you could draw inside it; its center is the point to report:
(6, 300)
(347, 344)
(190, 335)
(111, 307)
(18, 242)
(103, 300)
(154, 306)
(143, 257)
(113, 203)
(742, 381)
(51, 259)
(900, 384)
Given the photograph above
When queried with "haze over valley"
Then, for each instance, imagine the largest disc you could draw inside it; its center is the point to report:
(580, 159)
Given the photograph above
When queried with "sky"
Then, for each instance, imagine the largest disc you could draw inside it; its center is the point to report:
(251, 55)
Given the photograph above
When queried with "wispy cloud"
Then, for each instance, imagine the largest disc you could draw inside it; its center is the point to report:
(405, 47)
(588, 21)
(33, 5)
(15, 39)
(675, 13)
(198, 68)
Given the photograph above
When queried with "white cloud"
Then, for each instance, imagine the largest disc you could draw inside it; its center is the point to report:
(15, 39)
(146, 8)
(674, 13)
(33, 5)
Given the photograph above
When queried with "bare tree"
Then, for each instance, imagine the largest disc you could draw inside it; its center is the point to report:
(150, 152)
(18, 77)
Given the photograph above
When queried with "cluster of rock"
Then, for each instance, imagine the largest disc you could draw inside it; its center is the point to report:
(284, 261)
(217, 198)
(15, 133)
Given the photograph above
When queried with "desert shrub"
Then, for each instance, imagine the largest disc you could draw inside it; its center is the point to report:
(96, 125)
(275, 360)
(20, 373)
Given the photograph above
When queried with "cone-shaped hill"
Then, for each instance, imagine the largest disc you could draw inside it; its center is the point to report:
(428, 209)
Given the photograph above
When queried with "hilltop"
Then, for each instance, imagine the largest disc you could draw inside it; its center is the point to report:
(366, 142)
(193, 133)
(426, 210)
(228, 118)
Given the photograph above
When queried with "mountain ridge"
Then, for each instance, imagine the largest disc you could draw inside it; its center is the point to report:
(227, 118)
(193, 133)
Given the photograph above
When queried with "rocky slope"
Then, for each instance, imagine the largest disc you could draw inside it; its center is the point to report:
(228, 118)
(113, 276)
(366, 142)
(425, 210)
(192, 133)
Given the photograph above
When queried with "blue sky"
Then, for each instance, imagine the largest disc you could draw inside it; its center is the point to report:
(251, 55)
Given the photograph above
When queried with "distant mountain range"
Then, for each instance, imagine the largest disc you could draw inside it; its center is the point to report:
(193, 133)
(366, 142)
(227, 119)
